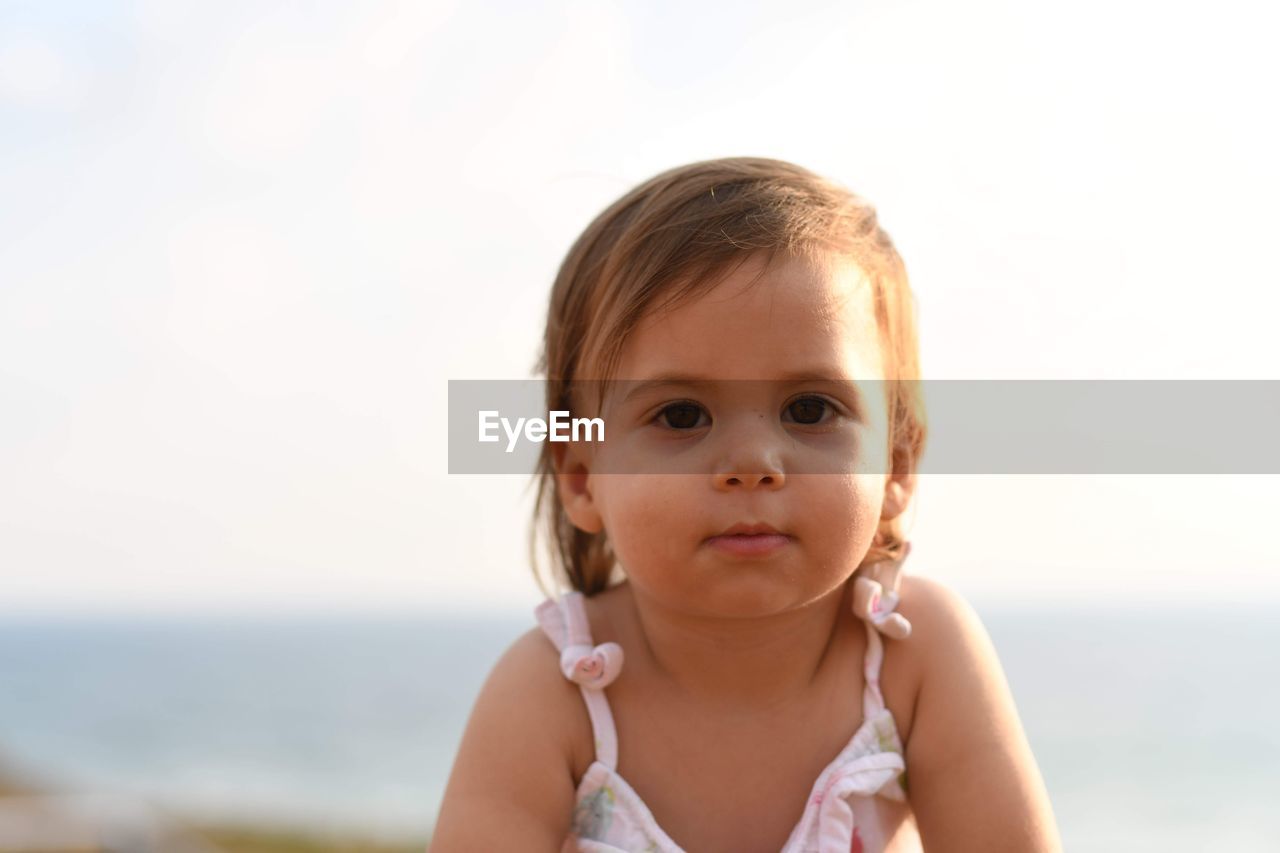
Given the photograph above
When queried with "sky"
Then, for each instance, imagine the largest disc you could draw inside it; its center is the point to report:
(244, 247)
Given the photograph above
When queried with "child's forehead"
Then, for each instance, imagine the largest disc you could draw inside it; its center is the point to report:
(761, 322)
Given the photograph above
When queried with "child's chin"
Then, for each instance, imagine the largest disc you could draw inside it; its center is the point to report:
(753, 594)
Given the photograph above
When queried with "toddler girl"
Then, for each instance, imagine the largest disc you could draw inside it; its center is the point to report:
(738, 665)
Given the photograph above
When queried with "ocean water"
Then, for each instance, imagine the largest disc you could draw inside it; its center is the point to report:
(1154, 730)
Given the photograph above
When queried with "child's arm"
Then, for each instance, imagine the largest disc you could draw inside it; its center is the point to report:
(971, 778)
(511, 787)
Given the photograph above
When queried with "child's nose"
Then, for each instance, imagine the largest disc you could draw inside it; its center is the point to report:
(743, 480)
(752, 460)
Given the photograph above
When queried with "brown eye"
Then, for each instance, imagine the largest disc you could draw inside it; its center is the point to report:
(808, 410)
(681, 415)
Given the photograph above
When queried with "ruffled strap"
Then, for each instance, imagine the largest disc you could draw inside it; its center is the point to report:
(875, 595)
(869, 776)
(830, 825)
(589, 666)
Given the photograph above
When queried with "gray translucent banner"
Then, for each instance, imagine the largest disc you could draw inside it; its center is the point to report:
(974, 426)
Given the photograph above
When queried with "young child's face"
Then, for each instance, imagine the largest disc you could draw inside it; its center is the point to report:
(752, 436)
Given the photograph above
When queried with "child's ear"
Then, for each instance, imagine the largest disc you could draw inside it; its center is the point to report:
(898, 489)
(574, 485)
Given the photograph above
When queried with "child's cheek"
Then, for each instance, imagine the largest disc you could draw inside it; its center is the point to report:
(653, 514)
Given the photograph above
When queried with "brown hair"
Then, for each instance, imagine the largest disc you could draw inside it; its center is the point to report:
(675, 236)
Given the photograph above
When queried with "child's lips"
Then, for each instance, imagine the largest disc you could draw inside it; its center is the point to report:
(749, 544)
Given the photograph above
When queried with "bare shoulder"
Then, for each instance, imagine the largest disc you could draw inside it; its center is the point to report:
(512, 783)
(950, 652)
(935, 612)
(932, 606)
(528, 682)
(972, 779)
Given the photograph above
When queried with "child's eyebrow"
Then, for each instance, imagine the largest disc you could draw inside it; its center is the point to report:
(638, 388)
(822, 374)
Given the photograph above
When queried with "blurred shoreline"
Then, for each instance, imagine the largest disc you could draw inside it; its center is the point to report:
(338, 735)
(42, 810)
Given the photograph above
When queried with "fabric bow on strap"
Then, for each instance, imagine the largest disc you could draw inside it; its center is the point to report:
(593, 667)
(875, 595)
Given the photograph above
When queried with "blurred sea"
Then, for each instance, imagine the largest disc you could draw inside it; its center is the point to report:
(1154, 730)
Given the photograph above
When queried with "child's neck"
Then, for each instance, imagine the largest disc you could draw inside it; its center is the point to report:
(741, 666)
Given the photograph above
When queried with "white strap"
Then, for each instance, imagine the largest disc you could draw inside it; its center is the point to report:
(591, 667)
